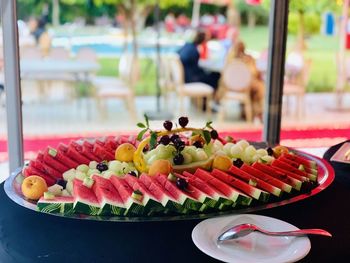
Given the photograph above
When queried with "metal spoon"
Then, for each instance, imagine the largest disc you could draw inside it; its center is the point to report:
(245, 229)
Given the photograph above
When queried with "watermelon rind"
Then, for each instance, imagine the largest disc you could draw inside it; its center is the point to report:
(61, 205)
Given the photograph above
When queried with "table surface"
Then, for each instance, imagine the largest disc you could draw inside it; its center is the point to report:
(28, 236)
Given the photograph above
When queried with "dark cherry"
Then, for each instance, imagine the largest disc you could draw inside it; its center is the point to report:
(181, 183)
(238, 162)
(179, 159)
(179, 144)
(269, 151)
(168, 125)
(174, 137)
(183, 121)
(132, 173)
(198, 144)
(61, 182)
(102, 167)
(164, 140)
(214, 134)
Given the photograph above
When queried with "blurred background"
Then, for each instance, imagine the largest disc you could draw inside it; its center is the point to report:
(95, 67)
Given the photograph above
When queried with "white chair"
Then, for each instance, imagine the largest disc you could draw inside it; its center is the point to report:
(118, 88)
(86, 54)
(59, 53)
(194, 90)
(235, 82)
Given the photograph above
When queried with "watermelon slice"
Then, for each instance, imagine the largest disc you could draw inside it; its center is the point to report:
(199, 194)
(49, 160)
(296, 184)
(187, 200)
(231, 193)
(43, 167)
(85, 200)
(60, 204)
(30, 170)
(77, 156)
(61, 157)
(108, 197)
(246, 177)
(111, 142)
(149, 201)
(298, 166)
(163, 196)
(87, 150)
(133, 206)
(301, 160)
(242, 186)
(222, 202)
(303, 175)
(267, 178)
(99, 151)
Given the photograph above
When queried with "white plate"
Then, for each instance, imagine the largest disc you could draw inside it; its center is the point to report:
(254, 247)
(339, 155)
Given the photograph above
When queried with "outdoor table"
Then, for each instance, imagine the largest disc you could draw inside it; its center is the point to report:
(28, 236)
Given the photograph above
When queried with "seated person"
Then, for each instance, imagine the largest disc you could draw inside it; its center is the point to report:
(257, 85)
(189, 56)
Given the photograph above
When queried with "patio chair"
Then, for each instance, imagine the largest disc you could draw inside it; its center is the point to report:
(194, 90)
(59, 53)
(235, 85)
(295, 85)
(118, 88)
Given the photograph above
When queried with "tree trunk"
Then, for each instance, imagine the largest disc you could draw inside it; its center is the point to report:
(55, 13)
(233, 16)
(133, 28)
(251, 19)
(301, 31)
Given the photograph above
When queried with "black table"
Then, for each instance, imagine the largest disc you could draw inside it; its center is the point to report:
(28, 236)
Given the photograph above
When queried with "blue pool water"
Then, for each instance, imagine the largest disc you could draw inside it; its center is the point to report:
(109, 49)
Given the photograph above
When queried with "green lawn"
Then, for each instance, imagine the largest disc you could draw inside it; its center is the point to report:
(320, 49)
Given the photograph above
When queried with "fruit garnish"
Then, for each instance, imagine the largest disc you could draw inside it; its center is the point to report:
(55, 189)
(238, 162)
(214, 134)
(160, 167)
(174, 137)
(196, 138)
(137, 195)
(88, 182)
(172, 177)
(183, 121)
(133, 173)
(279, 150)
(33, 187)
(49, 195)
(178, 159)
(222, 162)
(125, 152)
(102, 167)
(165, 140)
(179, 144)
(168, 125)
(181, 183)
(198, 144)
(61, 182)
(269, 151)
(229, 139)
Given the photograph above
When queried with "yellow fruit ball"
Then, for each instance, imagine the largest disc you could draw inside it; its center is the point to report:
(160, 167)
(222, 162)
(125, 152)
(279, 150)
(34, 187)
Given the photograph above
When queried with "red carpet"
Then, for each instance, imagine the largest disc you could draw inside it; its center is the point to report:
(293, 138)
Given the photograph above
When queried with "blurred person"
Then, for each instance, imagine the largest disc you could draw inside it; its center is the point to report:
(189, 56)
(257, 87)
(232, 36)
(170, 22)
(183, 21)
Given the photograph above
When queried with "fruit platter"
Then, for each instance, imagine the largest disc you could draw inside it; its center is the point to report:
(174, 173)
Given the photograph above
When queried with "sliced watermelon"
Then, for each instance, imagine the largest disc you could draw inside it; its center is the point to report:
(87, 149)
(242, 186)
(231, 193)
(246, 177)
(296, 184)
(99, 151)
(149, 201)
(111, 142)
(108, 197)
(30, 170)
(49, 160)
(267, 178)
(164, 197)
(60, 204)
(45, 168)
(133, 206)
(85, 200)
(184, 198)
(222, 201)
(285, 166)
(61, 157)
(301, 160)
(290, 173)
(75, 155)
(298, 166)
(199, 194)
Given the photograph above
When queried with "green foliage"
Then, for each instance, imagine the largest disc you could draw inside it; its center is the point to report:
(312, 23)
(260, 11)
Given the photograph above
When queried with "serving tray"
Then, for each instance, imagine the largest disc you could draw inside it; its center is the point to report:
(325, 178)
